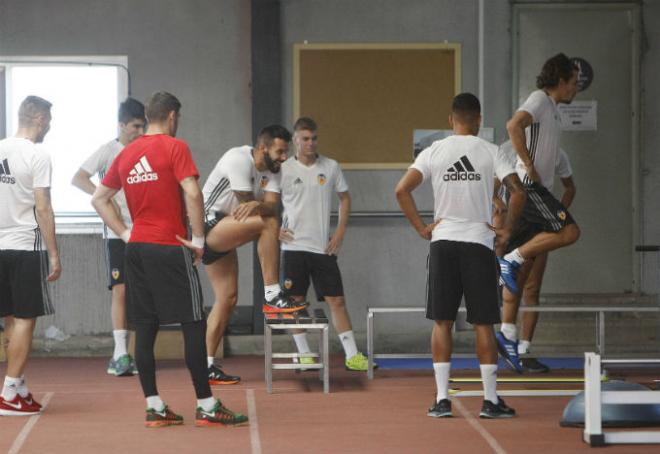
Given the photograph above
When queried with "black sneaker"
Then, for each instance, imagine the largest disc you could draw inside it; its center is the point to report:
(533, 365)
(495, 411)
(218, 377)
(440, 409)
(283, 304)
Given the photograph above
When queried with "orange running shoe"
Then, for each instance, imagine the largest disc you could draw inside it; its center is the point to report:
(219, 416)
(282, 304)
(163, 418)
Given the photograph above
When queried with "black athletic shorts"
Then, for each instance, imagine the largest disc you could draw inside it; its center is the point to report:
(162, 285)
(542, 213)
(210, 255)
(457, 269)
(115, 253)
(299, 266)
(24, 290)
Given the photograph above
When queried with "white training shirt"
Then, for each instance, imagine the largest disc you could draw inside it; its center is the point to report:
(562, 166)
(542, 137)
(99, 162)
(307, 193)
(23, 168)
(462, 170)
(235, 171)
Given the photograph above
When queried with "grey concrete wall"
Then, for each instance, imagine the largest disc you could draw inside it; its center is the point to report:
(197, 49)
(650, 142)
(383, 260)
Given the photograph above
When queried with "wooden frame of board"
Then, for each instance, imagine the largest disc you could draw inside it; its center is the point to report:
(368, 98)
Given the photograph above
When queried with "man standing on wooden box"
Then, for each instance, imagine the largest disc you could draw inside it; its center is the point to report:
(241, 202)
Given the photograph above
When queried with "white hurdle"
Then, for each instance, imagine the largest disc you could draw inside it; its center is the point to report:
(594, 398)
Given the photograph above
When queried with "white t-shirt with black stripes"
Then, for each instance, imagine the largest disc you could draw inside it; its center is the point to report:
(24, 167)
(462, 169)
(542, 137)
(563, 167)
(307, 193)
(98, 163)
(235, 171)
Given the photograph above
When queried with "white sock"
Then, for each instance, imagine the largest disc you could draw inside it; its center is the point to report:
(301, 343)
(155, 402)
(523, 347)
(510, 331)
(121, 340)
(515, 257)
(271, 291)
(441, 380)
(210, 360)
(207, 404)
(489, 379)
(347, 339)
(10, 388)
(22, 387)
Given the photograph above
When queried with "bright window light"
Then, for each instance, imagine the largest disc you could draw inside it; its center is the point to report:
(85, 101)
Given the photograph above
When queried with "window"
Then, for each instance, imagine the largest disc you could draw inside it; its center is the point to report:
(85, 92)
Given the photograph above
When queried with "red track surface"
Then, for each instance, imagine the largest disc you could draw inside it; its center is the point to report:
(91, 412)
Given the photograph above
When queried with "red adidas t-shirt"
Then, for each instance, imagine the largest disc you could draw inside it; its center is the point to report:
(149, 170)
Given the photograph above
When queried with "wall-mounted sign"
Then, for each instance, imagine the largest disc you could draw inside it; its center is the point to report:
(585, 73)
(579, 116)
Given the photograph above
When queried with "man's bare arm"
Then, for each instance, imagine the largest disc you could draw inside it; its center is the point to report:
(83, 181)
(194, 201)
(102, 203)
(408, 183)
(46, 222)
(569, 191)
(269, 206)
(516, 129)
(344, 211)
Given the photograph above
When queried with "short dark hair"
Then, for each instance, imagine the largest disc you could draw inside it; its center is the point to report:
(130, 109)
(554, 69)
(31, 108)
(305, 123)
(160, 104)
(272, 132)
(466, 106)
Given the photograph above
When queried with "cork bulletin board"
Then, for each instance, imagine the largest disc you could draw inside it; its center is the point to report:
(368, 98)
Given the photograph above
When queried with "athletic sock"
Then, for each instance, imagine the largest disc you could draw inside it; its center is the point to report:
(523, 347)
(156, 403)
(489, 379)
(515, 257)
(210, 360)
(22, 387)
(271, 291)
(510, 331)
(301, 343)
(10, 388)
(441, 371)
(207, 403)
(121, 339)
(347, 339)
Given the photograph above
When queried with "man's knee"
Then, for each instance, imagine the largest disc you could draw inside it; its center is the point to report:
(571, 233)
(336, 302)
(271, 224)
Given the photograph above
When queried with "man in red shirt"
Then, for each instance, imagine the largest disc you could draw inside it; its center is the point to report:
(159, 179)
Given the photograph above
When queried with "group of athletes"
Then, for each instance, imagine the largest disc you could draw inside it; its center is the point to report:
(160, 225)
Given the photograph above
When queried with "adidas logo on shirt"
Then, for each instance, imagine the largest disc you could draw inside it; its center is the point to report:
(141, 172)
(5, 173)
(462, 170)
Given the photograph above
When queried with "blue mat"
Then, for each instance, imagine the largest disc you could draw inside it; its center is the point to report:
(471, 363)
